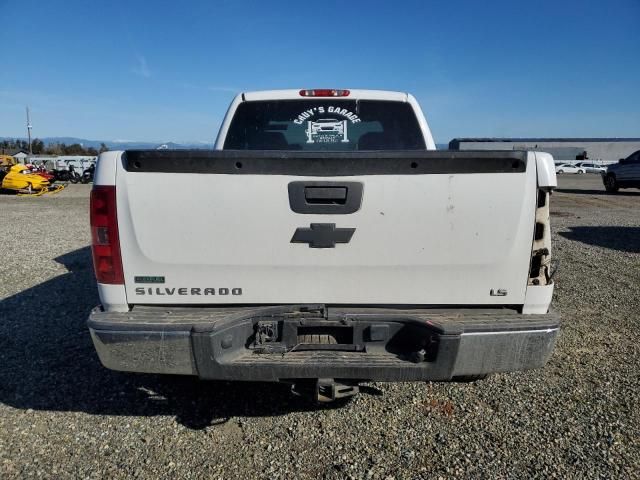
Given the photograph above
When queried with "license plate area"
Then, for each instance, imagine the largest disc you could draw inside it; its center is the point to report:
(273, 346)
(325, 335)
(307, 334)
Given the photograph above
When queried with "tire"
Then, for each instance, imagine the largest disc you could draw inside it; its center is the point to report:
(580, 172)
(560, 171)
(74, 179)
(610, 184)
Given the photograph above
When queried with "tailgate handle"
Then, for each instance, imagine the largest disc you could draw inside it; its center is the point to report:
(325, 197)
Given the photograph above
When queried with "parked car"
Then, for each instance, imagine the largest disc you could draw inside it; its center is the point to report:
(569, 168)
(624, 174)
(591, 167)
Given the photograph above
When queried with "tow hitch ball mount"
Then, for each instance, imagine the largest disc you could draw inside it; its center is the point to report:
(325, 390)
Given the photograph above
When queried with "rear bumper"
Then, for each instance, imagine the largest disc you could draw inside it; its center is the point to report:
(264, 343)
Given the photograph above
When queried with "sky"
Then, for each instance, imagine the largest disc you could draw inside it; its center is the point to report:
(166, 71)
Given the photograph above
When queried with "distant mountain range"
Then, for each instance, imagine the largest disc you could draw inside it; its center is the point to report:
(125, 144)
(117, 144)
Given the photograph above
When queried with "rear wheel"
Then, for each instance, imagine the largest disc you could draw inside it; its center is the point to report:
(580, 172)
(560, 171)
(610, 184)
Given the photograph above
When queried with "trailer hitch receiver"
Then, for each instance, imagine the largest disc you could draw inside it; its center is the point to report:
(329, 390)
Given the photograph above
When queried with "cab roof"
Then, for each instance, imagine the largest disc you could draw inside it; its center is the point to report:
(294, 94)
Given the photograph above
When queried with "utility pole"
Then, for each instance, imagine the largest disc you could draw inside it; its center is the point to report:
(29, 131)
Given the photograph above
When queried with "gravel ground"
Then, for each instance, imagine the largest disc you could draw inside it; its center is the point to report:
(63, 415)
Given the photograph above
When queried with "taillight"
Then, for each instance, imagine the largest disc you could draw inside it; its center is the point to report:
(105, 243)
(324, 92)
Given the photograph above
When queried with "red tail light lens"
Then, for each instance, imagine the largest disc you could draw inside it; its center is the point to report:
(105, 242)
(324, 92)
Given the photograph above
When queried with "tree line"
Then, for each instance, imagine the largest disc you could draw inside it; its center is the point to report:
(38, 147)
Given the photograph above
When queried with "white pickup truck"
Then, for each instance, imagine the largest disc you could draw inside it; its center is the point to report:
(323, 257)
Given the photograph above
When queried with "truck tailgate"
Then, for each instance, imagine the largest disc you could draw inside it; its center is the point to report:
(419, 228)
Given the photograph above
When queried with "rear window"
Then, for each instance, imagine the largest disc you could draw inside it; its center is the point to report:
(324, 125)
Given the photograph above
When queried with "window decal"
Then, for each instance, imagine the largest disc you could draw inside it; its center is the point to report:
(326, 130)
